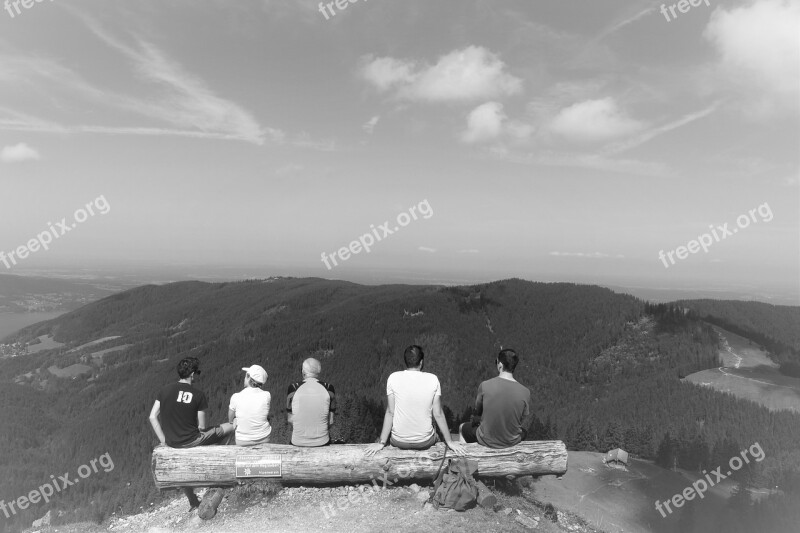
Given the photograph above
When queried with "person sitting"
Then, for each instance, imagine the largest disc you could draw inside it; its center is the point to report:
(179, 416)
(414, 398)
(504, 406)
(250, 409)
(310, 406)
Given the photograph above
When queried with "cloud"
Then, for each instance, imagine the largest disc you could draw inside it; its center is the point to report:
(593, 121)
(758, 53)
(467, 75)
(488, 122)
(369, 126)
(655, 132)
(426, 249)
(18, 153)
(181, 101)
(591, 255)
(485, 122)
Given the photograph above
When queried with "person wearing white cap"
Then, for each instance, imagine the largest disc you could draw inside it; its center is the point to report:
(250, 409)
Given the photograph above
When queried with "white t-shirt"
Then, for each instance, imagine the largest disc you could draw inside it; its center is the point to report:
(251, 406)
(413, 392)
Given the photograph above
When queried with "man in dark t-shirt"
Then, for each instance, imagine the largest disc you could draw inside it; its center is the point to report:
(179, 416)
(504, 406)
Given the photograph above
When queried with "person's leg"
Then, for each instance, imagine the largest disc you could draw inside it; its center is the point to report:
(193, 501)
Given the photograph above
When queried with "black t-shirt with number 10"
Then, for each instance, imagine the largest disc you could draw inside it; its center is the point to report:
(180, 403)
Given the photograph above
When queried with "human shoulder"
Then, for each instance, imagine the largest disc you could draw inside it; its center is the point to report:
(327, 386)
(294, 386)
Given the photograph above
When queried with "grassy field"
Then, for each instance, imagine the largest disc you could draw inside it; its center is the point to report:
(750, 374)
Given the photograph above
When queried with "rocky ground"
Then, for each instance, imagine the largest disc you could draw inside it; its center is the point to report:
(354, 509)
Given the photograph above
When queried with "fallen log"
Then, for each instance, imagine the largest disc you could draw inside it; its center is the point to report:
(216, 466)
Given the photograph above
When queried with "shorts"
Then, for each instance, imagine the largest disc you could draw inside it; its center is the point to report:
(414, 445)
(210, 436)
(468, 432)
(265, 440)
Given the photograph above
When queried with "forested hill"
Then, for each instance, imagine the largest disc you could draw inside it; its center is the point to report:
(604, 370)
(780, 323)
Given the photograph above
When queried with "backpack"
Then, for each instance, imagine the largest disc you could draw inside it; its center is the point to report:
(455, 488)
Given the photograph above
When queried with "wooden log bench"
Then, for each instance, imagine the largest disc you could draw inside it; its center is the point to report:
(221, 466)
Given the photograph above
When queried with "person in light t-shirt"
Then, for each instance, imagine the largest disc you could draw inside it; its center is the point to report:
(414, 400)
(250, 409)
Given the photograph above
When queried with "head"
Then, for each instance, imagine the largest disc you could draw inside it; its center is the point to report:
(414, 356)
(256, 376)
(189, 367)
(507, 360)
(311, 368)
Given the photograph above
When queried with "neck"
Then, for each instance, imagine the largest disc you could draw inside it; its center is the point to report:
(188, 381)
(507, 375)
(414, 369)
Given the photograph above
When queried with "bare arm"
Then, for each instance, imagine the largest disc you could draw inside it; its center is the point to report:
(155, 423)
(388, 418)
(290, 417)
(231, 415)
(201, 420)
(330, 418)
(441, 421)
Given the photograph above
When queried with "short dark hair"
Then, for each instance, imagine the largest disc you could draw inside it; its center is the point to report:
(188, 366)
(413, 356)
(509, 358)
(253, 383)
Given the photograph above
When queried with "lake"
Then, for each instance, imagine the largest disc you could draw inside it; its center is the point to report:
(13, 322)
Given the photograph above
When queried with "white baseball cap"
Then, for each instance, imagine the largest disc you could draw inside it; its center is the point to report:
(257, 373)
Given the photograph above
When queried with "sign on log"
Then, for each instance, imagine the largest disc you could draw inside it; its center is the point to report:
(258, 466)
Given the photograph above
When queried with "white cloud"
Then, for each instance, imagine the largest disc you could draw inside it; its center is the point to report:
(591, 255)
(426, 249)
(593, 121)
(369, 126)
(18, 153)
(485, 122)
(473, 73)
(384, 72)
(488, 122)
(759, 53)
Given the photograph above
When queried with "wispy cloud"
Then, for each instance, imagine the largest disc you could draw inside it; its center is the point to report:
(369, 126)
(183, 102)
(645, 136)
(426, 249)
(590, 255)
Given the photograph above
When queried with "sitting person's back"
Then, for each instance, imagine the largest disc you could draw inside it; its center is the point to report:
(414, 392)
(250, 408)
(504, 406)
(413, 402)
(310, 406)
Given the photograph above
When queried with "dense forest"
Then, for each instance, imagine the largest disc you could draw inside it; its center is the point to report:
(604, 370)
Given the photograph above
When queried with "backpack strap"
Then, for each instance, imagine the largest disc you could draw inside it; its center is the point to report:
(436, 480)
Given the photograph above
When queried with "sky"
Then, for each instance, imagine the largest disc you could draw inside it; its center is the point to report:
(548, 140)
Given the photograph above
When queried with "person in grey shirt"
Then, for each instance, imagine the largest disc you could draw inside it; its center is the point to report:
(504, 406)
